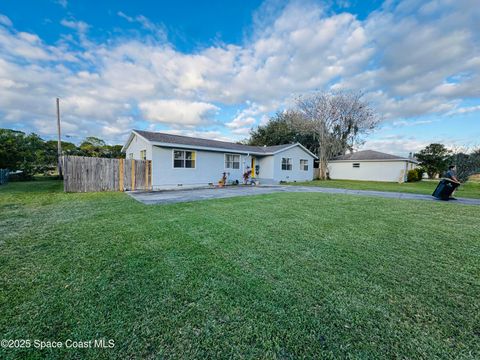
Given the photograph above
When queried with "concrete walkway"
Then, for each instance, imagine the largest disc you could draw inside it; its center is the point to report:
(175, 196)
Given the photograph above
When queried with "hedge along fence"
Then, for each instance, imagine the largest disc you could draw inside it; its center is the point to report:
(89, 174)
(3, 176)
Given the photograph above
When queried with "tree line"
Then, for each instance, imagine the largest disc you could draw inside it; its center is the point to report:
(436, 158)
(31, 155)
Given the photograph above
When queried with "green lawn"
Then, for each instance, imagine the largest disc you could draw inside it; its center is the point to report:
(284, 275)
(467, 190)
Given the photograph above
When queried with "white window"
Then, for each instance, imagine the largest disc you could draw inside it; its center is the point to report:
(143, 154)
(232, 161)
(183, 159)
(356, 165)
(130, 156)
(286, 163)
(303, 164)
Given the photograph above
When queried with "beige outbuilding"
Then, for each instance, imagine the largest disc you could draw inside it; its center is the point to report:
(370, 165)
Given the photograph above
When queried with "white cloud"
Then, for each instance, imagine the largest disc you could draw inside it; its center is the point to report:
(80, 26)
(212, 135)
(157, 29)
(464, 110)
(4, 20)
(403, 145)
(242, 123)
(397, 146)
(62, 3)
(239, 122)
(243, 132)
(178, 112)
(90, 107)
(419, 46)
(402, 123)
(118, 127)
(22, 45)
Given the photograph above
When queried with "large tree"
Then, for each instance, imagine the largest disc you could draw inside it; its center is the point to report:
(281, 129)
(113, 151)
(337, 120)
(19, 151)
(93, 147)
(434, 159)
(12, 147)
(48, 158)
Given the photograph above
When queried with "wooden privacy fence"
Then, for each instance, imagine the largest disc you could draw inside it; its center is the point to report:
(88, 174)
(3, 176)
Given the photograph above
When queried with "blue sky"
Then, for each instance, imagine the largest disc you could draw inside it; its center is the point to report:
(215, 69)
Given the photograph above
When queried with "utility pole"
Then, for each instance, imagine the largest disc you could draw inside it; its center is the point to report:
(59, 141)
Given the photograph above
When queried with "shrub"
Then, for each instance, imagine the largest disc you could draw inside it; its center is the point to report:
(412, 175)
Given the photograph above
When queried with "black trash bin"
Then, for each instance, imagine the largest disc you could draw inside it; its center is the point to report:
(444, 189)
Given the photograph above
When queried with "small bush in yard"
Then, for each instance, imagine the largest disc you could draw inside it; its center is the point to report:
(412, 175)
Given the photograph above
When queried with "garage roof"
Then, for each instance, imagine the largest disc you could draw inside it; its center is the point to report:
(370, 155)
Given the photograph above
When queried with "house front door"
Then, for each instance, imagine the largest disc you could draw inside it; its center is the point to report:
(253, 167)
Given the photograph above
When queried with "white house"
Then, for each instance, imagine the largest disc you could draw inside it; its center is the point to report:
(370, 165)
(187, 161)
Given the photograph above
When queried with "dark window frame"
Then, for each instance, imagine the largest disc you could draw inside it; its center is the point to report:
(287, 164)
(184, 159)
(304, 164)
(231, 162)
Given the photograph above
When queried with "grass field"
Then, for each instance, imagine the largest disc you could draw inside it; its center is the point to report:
(284, 275)
(469, 189)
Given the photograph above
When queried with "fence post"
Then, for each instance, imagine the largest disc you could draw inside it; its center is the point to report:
(121, 171)
(133, 174)
(146, 174)
(65, 182)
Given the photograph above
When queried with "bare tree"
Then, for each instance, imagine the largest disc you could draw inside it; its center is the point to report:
(467, 160)
(338, 120)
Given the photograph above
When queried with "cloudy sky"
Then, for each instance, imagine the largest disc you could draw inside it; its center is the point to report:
(215, 68)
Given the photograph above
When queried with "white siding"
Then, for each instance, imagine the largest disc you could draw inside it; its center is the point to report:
(265, 175)
(136, 145)
(209, 167)
(296, 154)
(393, 171)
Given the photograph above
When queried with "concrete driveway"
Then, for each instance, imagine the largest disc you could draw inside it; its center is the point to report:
(187, 195)
(175, 196)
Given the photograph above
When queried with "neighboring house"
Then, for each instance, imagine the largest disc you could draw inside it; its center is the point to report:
(370, 165)
(187, 161)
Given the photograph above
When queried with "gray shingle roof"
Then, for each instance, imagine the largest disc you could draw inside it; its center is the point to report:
(199, 142)
(369, 155)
